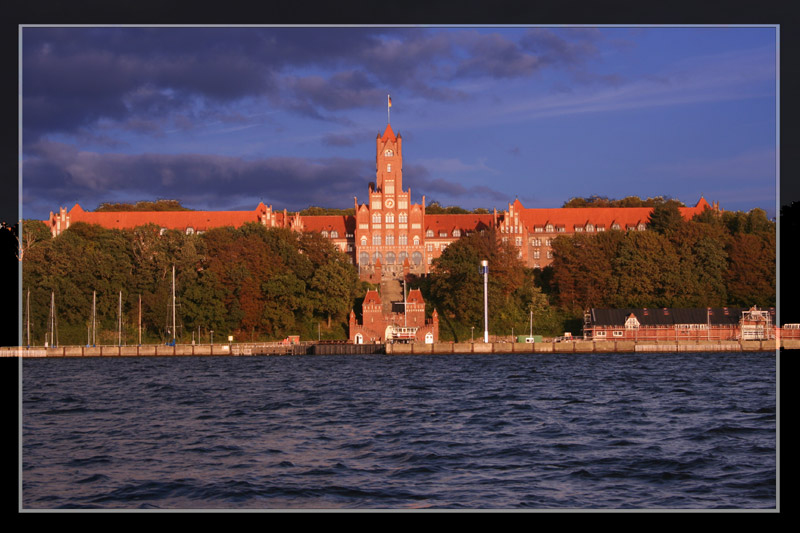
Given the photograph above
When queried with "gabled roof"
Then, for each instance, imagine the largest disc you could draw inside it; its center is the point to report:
(415, 296)
(372, 297)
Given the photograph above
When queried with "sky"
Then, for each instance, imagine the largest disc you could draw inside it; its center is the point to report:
(223, 118)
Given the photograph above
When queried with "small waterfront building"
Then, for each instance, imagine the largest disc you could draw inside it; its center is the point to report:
(675, 324)
(391, 322)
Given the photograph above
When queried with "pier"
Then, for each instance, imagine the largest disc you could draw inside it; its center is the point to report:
(344, 348)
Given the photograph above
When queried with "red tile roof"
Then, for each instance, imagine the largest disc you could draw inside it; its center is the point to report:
(343, 224)
(469, 222)
(180, 220)
(415, 296)
(372, 297)
(388, 134)
(599, 216)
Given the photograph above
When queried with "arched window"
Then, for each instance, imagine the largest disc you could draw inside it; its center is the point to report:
(402, 218)
(388, 153)
(363, 259)
(389, 218)
(377, 257)
(390, 258)
(376, 218)
(189, 230)
(363, 240)
(401, 257)
(416, 240)
(416, 258)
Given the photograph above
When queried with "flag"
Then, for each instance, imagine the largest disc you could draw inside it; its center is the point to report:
(389, 96)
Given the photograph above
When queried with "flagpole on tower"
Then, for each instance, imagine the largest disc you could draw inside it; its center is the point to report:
(388, 108)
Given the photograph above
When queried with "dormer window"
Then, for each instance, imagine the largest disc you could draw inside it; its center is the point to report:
(334, 234)
(549, 228)
(456, 233)
(189, 230)
(325, 234)
(429, 233)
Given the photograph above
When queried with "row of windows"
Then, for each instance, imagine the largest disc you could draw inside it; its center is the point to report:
(390, 258)
(443, 233)
(550, 228)
(402, 218)
(402, 239)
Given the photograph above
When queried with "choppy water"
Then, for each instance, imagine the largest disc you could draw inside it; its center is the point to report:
(567, 431)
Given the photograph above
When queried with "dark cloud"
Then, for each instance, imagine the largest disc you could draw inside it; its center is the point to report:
(74, 78)
(497, 56)
(552, 48)
(58, 174)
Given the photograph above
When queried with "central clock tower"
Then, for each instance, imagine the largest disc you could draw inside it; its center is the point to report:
(389, 229)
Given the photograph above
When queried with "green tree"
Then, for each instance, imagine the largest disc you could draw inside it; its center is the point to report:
(665, 219)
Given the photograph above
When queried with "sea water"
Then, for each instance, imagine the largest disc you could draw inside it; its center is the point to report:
(517, 431)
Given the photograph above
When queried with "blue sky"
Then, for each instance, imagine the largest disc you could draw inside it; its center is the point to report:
(225, 117)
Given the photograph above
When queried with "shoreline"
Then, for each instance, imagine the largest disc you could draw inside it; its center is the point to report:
(462, 348)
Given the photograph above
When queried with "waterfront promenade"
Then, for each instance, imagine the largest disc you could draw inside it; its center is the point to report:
(252, 349)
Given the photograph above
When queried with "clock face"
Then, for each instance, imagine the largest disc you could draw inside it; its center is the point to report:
(389, 203)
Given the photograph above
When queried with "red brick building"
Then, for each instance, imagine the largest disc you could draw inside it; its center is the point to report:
(388, 322)
(390, 236)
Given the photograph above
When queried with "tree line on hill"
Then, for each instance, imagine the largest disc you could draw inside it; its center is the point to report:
(714, 260)
(252, 282)
(257, 283)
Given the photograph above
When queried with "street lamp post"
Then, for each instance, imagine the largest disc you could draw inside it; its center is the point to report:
(485, 272)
